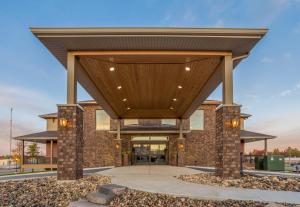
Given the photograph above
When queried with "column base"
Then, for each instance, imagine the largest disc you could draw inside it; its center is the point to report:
(228, 141)
(180, 152)
(70, 142)
(118, 152)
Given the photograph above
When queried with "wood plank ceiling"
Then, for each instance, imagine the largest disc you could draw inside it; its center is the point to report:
(149, 86)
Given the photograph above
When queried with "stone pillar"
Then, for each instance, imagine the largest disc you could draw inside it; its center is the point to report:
(180, 152)
(118, 152)
(228, 141)
(70, 142)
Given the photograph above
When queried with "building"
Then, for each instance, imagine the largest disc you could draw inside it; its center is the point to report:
(149, 73)
(144, 141)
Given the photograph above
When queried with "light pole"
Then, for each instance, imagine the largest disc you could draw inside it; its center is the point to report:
(10, 136)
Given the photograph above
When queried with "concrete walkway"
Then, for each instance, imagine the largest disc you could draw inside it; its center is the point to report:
(86, 171)
(160, 179)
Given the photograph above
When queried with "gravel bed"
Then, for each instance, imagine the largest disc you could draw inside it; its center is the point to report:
(248, 181)
(134, 198)
(47, 191)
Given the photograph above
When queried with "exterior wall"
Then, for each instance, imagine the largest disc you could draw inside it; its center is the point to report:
(98, 144)
(200, 144)
(52, 124)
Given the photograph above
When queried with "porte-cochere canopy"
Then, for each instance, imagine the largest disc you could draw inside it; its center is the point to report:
(149, 72)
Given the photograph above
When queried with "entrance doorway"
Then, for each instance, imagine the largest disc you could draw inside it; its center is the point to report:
(149, 150)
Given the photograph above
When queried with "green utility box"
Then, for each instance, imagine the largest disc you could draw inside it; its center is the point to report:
(259, 163)
(274, 163)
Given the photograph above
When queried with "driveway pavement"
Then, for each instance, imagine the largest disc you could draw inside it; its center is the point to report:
(160, 179)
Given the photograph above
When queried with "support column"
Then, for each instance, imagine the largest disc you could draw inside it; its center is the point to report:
(70, 142)
(51, 154)
(118, 146)
(228, 128)
(266, 147)
(180, 146)
(71, 80)
(22, 156)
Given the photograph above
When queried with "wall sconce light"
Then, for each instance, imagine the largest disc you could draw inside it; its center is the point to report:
(63, 122)
(180, 146)
(117, 146)
(235, 123)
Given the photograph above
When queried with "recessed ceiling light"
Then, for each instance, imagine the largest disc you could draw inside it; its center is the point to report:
(124, 99)
(111, 68)
(119, 87)
(174, 99)
(171, 107)
(179, 86)
(187, 68)
(128, 108)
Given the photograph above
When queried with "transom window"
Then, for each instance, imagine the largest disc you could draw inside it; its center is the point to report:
(197, 120)
(168, 122)
(128, 122)
(102, 120)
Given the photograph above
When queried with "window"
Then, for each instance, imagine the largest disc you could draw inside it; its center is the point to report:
(130, 122)
(168, 122)
(102, 120)
(197, 120)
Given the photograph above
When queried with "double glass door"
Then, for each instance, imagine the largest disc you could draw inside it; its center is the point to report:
(149, 153)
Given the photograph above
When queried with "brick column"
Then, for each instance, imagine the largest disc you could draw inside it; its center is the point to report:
(180, 151)
(70, 142)
(228, 141)
(118, 152)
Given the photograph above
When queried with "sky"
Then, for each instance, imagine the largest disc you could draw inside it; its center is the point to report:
(266, 84)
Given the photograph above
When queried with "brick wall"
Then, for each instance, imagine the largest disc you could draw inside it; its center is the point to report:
(98, 144)
(200, 144)
(70, 141)
(227, 142)
(98, 147)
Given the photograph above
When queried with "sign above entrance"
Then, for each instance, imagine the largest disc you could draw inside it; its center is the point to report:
(149, 138)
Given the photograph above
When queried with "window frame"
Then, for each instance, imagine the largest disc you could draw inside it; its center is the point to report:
(203, 121)
(109, 124)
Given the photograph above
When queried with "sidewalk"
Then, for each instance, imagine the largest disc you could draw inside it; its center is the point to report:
(46, 174)
(160, 179)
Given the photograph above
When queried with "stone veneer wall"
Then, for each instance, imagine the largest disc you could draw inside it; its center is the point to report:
(98, 144)
(70, 141)
(200, 144)
(227, 142)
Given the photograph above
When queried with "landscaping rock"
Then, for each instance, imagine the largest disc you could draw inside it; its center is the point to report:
(84, 203)
(255, 182)
(47, 191)
(111, 189)
(100, 198)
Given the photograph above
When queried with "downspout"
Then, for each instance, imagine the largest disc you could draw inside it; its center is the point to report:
(240, 57)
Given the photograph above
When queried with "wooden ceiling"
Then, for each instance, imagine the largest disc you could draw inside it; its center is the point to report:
(149, 83)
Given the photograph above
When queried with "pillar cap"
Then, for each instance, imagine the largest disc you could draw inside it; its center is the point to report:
(77, 105)
(225, 105)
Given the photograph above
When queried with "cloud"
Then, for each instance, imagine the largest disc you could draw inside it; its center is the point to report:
(22, 98)
(288, 92)
(284, 126)
(287, 55)
(285, 93)
(267, 60)
(27, 105)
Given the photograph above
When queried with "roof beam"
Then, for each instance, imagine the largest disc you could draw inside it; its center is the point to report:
(159, 53)
(210, 85)
(92, 89)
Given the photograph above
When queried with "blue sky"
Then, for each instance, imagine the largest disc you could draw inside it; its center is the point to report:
(267, 84)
